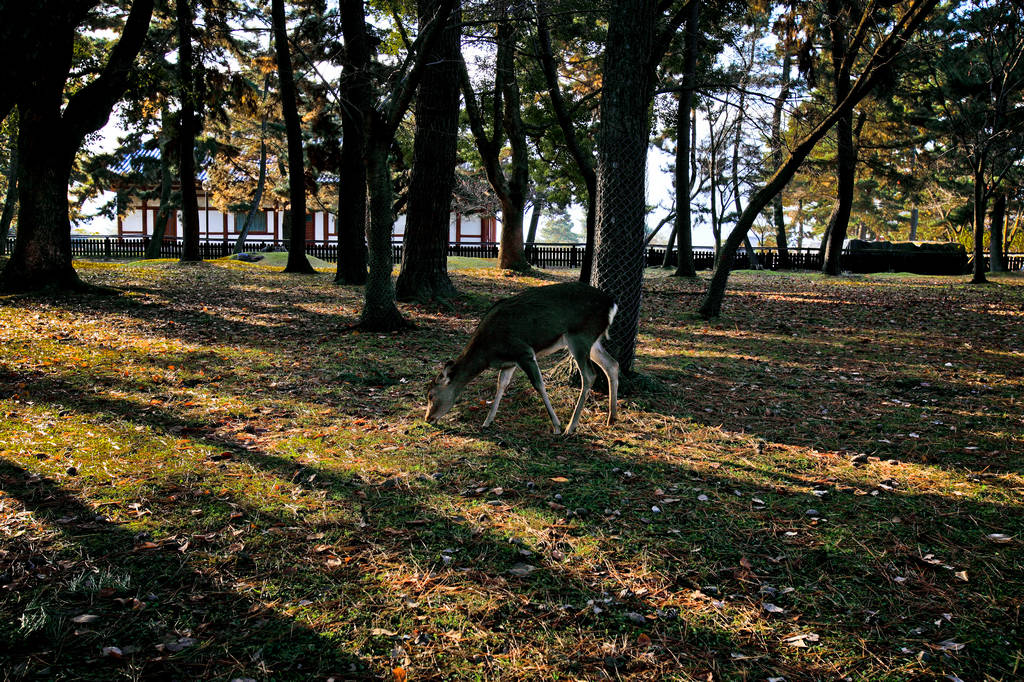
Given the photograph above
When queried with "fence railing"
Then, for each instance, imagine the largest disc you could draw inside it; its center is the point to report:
(537, 254)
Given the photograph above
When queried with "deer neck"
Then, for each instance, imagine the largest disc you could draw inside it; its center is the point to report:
(467, 367)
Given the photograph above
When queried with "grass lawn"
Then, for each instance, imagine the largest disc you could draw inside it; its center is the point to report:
(213, 476)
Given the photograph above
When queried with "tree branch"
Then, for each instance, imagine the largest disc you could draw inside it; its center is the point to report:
(89, 109)
(395, 107)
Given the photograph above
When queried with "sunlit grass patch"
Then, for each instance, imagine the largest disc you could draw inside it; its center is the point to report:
(218, 476)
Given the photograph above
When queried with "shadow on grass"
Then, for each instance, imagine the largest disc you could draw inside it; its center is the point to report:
(409, 523)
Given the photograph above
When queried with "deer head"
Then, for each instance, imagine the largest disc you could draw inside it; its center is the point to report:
(441, 393)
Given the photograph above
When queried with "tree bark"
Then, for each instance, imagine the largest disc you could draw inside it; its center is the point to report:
(379, 310)
(424, 272)
(380, 120)
(42, 251)
(914, 218)
(11, 199)
(297, 261)
(997, 223)
(622, 169)
(50, 133)
(187, 136)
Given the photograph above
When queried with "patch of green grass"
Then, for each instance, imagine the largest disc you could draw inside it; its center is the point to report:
(217, 475)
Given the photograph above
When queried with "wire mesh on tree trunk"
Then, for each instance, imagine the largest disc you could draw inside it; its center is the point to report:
(619, 243)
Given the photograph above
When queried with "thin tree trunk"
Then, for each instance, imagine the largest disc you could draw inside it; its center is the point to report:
(11, 200)
(778, 213)
(800, 224)
(846, 159)
(297, 261)
(752, 259)
(584, 162)
(166, 185)
(914, 218)
(890, 46)
(424, 273)
(682, 230)
(666, 262)
(261, 180)
(538, 208)
(997, 222)
(511, 190)
(980, 209)
(684, 237)
(187, 136)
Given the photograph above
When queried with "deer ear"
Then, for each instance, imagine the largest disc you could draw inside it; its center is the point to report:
(446, 369)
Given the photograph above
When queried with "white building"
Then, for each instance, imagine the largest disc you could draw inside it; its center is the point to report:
(140, 217)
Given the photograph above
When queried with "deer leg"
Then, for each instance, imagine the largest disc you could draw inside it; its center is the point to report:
(579, 351)
(504, 376)
(529, 365)
(610, 367)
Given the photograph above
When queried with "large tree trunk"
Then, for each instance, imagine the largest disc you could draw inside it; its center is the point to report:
(11, 199)
(352, 209)
(297, 261)
(51, 131)
(379, 310)
(683, 228)
(980, 209)
(997, 223)
(42, 252)
(187, 136)
(424, 273)
(622, 170)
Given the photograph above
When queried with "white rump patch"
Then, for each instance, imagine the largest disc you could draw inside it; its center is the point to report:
(611, 317)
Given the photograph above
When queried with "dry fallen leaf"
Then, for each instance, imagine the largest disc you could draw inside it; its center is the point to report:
(522, 570)
(85, 618)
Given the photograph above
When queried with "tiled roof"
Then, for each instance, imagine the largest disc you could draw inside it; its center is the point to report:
(137, 161)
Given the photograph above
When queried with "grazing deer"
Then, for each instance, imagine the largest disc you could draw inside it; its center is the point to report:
(515, 331)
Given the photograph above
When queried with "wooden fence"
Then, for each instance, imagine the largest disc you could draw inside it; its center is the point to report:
(539, 255)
